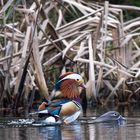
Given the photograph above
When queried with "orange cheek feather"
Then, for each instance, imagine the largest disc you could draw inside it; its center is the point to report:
(69, 89)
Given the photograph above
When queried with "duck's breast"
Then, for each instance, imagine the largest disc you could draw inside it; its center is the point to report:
(69, 109)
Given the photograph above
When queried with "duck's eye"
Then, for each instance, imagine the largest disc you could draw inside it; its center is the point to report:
(77, 79)
(115, 114)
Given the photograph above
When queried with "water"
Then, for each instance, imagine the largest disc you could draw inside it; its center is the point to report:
(81, 130)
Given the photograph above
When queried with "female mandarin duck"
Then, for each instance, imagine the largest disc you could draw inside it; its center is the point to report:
(65, 99)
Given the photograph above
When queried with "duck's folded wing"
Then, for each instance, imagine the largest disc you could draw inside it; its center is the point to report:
(39, 112)
(49, 110)
(53, 107)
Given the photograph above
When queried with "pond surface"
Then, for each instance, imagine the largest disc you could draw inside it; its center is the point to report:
(81, 131)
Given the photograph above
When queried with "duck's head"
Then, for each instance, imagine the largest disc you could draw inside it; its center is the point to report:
(68, 84)
(110, 116)
(75, 77)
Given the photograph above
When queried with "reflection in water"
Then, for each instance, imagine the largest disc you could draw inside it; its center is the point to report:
(67, 132)
(47, 133)
(71, 132)
(106, 132)
(38, 133)
(92, 132)
(78, 130)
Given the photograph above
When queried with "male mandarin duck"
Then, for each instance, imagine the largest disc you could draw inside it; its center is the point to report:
(65, 99)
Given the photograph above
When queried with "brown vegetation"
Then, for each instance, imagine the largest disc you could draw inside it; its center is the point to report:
(45, 39)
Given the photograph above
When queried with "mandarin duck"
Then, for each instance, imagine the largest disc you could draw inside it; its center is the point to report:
(64, 104)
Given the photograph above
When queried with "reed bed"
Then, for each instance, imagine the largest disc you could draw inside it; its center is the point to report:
(42, 39)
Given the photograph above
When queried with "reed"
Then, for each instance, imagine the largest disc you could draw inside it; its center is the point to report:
(41, 41)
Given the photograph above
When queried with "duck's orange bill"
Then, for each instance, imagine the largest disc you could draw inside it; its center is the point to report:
(83, 85)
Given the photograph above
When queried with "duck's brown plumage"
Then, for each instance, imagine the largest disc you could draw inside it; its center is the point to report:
(69, 89)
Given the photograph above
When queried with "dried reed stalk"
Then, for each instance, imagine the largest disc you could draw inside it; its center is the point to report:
(39, 76)
(96, 37)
